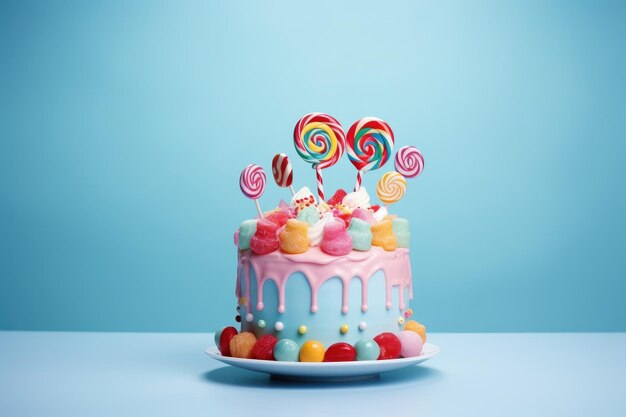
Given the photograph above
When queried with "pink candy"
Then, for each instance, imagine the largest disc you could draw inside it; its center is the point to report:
(265, 239)
(364, 215)
(411, 342)
(336, 240)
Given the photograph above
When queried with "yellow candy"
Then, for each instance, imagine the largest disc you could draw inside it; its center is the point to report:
(294, 238)
(382, 235)
(312, 351)
(416, 327)
(344, 329)
(241, 345)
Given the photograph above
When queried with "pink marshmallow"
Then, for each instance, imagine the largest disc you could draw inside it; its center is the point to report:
(364, 215)
(336, 240)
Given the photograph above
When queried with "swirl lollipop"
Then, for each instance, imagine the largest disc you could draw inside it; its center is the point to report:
(409, 161)
(370, 143)
(252, 184)
(282, 171)
(319, 140)
(391, 187)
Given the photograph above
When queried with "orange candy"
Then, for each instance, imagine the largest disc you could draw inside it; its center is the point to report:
(416, 327)
(294, 238)
(241, 345)
(382, 235)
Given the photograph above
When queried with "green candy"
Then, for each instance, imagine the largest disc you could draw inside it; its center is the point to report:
(361, 233)
(401, 230)
(309, 215)
(367, 350)
(246, 231)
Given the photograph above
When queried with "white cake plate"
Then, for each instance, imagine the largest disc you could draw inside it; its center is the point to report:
(325, 371)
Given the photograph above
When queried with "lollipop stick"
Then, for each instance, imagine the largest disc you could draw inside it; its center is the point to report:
(293, 192)
(258, 207)
(359, 179)
(320, 182)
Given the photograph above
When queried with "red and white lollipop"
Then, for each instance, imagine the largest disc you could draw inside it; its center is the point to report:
(409, 161)
(252, 184)
(282, 171)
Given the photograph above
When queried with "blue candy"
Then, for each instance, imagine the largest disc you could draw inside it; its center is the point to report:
(218, 334)
(401, 230)
(361, 233)
(367, 350)
(286, 350)
(309, 215)
(246, 231)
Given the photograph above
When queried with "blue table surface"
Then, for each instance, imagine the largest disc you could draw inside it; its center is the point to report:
(119, 374)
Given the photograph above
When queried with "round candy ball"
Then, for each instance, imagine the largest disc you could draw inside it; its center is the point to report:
(416, 327)
(389, 344)
(367, 350)
(226, 335)
(241, 345)
(412, 344)
(286, 350)
(312, 351)
(217, 337)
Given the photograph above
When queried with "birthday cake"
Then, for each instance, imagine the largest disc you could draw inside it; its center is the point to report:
(327, 280)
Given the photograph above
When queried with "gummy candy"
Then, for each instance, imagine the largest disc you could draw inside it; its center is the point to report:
(416, 327)
(246, 231)
(346, 217)
(411, 342)
(294, 238)
(383, 236)
(340, 352)
(337, 197)
(401, 230)
(375, 208)
(264, 348)
(279, 217)
(265, 239)
(309, 215)
(361, 233)
(364, 214)
(225, 336)
(241, 345)
(389, 344)
(312, 351)
(336, 240)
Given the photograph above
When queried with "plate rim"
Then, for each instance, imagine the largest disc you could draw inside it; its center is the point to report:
(213, 352)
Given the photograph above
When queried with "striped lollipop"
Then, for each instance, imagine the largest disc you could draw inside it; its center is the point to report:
(319, 140)
(391, 187)
(370, 143)
(409, 161)
(282, 171)
(252, 184)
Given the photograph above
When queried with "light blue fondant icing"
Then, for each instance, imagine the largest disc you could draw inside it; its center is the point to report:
(323, 325)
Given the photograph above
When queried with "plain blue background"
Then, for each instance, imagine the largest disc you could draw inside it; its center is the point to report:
(124, 126)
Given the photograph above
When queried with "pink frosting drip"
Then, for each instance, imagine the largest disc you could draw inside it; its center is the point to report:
(318, 267)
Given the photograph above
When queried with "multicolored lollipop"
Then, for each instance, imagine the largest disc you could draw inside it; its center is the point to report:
(370, 143)
(319, 140)
(252, 184)
(409, 161)
(391, 187)
(282, 171)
